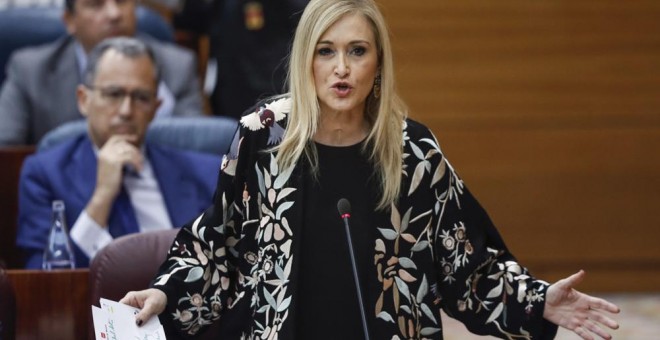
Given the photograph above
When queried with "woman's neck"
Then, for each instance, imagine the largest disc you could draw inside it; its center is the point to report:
(341, 129)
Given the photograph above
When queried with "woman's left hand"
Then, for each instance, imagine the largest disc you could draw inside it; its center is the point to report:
(578, 312)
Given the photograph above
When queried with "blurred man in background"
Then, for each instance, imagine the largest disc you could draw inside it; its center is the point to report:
(110, 181)
(39, 91)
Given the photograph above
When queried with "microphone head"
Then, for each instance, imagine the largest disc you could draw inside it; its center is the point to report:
(344, 207)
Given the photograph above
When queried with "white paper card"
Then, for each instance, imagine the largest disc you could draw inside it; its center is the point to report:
(116, 321)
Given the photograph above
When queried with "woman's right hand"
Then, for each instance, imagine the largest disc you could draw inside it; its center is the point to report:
(151, 302)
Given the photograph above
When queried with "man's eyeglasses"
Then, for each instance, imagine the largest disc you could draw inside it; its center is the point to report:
(98, 4)
(115, 96)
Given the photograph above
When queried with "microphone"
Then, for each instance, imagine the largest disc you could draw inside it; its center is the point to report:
(344, 208)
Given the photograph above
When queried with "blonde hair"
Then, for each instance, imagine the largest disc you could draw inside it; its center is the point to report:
(384, 114)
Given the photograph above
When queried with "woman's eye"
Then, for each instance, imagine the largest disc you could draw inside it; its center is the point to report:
(325, 51)
(358, 51)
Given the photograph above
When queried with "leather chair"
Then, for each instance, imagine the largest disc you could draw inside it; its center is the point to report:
(7, 308)
(210, 134)
(29, 26)
(130, 263)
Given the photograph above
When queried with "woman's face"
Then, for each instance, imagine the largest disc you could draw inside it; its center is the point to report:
(345, 65)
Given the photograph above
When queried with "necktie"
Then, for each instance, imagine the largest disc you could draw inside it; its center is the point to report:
(122, 218)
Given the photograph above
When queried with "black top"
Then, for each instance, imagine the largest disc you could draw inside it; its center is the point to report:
(327, 298)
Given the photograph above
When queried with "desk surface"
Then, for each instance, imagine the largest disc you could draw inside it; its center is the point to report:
(51, 304)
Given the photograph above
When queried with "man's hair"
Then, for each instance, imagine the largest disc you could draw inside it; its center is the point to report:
(126, 46)
(69, 5)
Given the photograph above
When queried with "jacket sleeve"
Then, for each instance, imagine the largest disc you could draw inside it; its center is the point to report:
(480, 282)
(198, 272)
(34, 212)
(188, 94)
(14, 106)
(178, 67)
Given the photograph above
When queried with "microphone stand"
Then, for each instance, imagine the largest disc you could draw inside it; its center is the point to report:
(345, 216)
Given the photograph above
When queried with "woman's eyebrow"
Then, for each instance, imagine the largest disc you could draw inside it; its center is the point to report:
(352, 42)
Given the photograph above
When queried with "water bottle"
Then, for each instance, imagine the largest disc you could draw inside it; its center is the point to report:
(59, 252)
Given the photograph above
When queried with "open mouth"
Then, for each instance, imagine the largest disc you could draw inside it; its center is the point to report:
(342, 89)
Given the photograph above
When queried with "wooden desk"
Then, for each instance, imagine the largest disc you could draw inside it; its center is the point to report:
(51, 304)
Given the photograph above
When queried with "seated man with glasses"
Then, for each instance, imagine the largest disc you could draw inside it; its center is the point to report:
(110, 180)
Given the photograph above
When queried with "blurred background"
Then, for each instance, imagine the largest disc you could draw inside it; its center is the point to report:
(550, 111)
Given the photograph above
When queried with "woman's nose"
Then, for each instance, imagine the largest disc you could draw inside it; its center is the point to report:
(342, 69)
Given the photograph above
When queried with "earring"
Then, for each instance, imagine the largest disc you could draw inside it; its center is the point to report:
(377, 86)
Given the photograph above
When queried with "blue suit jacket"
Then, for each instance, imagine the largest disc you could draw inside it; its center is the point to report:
(67, 172)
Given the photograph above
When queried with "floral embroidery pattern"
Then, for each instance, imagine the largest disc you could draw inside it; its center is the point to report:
(394, 274)
(271, 265)
(428, 252)
(508, 276)
(459, 247)
(405, 285)
(202, 269)
(397, 271)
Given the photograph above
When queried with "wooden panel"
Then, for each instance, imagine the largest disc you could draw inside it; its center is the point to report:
(566, 200)
(550, 110)
(51, 304)
(11, 160)
(512, 61)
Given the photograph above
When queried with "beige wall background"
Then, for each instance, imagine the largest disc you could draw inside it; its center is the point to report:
(550, 111)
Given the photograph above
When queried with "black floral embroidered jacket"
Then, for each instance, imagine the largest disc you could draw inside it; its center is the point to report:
(436, 248)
